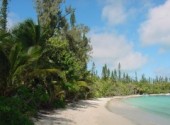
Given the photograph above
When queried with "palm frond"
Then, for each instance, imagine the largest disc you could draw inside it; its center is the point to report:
(34, 53)
(28, 33)
(82, 84)
(48, 72)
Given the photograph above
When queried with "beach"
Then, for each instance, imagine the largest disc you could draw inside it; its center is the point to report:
(102, 111)
(85, 112)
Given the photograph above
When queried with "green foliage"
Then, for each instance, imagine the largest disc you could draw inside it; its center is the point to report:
(3, 15)
(109, 88)
(43, 65)
(72, 19)
(119, 71)
(29, 34)
(117, 85)
(12, 112)
(57, 54)
(14, 62)
(105, 72)
(78, 90)
(36, 97)
(49, 15)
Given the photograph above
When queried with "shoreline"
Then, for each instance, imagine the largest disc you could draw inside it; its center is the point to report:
(96, 112)
(136, 115)
(85, 112)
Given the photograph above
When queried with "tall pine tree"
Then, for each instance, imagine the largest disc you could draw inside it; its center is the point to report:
(3, 15)
(119, 71)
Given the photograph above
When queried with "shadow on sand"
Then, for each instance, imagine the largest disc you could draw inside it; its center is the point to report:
(55, 118)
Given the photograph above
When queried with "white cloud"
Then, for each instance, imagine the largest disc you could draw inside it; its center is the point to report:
(156, 29)
(114, 14)
(132, 61)
(12, 20)
(111, 49)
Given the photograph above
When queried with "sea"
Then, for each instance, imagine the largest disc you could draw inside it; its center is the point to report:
(146, 109)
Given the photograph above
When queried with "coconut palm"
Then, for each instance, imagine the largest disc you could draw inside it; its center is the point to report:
(13, 62)
(29, 34)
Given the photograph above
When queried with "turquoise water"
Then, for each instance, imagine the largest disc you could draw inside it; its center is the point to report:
(159, 105)
(143, 110)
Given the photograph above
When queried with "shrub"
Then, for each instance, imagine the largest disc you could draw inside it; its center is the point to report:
(11, 112)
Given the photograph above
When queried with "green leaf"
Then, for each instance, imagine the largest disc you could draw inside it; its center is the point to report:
(34, 53)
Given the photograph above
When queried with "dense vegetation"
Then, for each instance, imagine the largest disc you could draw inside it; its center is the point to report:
(112, 83)
(44, 65)
(41, 65)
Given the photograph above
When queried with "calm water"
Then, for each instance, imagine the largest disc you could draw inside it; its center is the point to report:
(159, 105)
(144, 110)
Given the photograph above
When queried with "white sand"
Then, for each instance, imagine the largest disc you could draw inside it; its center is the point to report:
(88, 112)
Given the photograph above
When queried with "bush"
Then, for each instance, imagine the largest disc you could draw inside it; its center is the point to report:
(11, 112)
(36, 98)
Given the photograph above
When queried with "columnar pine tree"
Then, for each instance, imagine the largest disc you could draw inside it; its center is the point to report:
(119, 71)
(3, 15)
(49, 15)
(112, 76)
(143, 79)
(115, 74)
(72, 18)
(108, 73)
(105, 72)
(136, 77)
(93, 70)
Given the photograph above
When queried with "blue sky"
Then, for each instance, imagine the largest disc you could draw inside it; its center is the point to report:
(132, 32)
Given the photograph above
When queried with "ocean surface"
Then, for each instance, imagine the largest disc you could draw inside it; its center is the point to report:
(144, 110)
(159, 105)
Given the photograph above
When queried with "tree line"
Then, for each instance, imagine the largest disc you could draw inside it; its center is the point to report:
(117, 82)
(117, 75)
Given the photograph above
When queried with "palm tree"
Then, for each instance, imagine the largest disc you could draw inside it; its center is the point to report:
(5, 47)
(29, 34)
(18, 50)
(13, 63)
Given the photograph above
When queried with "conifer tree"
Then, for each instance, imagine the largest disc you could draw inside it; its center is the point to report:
(49, 14)
(108, 73)
(72, 19)
(3, 15)
(119, 71)
(93, 70)
(112, 76)
(143, 79)
(166, 79)
(115, 74)
(124, 77)
(105, 72)
(136, 77)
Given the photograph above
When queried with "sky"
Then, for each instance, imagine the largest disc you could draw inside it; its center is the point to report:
(134, 33)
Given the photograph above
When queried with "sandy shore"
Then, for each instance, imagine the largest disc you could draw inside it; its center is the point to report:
(86, 112)
(136, 115)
